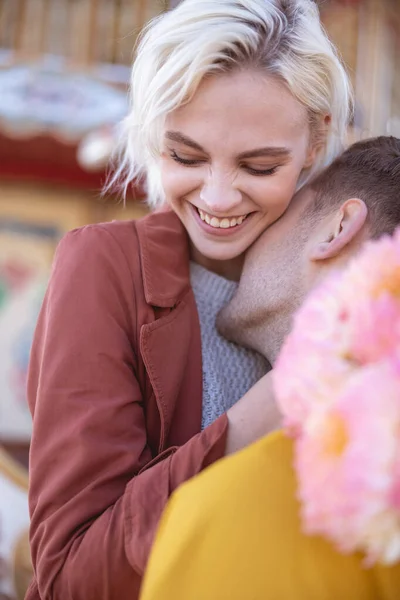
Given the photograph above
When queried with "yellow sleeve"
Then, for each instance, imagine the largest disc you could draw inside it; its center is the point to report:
(233, 533)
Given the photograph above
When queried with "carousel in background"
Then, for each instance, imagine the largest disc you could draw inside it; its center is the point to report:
(64, 69)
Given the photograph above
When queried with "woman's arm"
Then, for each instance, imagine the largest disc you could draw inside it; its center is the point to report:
(95, 498)
(255, 415)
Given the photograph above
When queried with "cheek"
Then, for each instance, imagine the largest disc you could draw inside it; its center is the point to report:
(275, 193)
(178, 181)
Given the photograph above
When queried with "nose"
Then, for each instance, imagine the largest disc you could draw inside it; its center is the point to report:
(220, 195)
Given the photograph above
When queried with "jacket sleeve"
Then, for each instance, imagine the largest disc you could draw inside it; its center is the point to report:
(95, 496)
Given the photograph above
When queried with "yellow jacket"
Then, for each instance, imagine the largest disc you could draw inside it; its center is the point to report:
(233, 533)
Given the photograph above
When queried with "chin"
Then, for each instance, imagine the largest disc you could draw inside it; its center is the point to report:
(219, 250)
(220, 255)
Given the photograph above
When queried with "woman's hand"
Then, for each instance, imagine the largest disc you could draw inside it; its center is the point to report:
(254, 416)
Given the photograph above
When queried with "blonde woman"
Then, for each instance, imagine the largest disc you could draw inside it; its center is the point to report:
(235, 105)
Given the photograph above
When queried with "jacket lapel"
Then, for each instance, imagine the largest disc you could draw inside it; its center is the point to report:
(171, 341)
(164, 248)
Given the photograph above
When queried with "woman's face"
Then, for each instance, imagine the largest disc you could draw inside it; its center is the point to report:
(231, 160)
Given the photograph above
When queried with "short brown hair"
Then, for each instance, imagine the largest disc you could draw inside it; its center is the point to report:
(370, 170)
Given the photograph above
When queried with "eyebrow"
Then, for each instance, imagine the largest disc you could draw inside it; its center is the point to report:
(176, 136)
(273, 151)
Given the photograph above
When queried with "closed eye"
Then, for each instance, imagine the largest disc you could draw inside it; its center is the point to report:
(189, 162)
(260, 172)
(194, 162)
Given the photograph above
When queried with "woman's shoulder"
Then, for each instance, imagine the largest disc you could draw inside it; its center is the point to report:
(129, 236)
(94, 235)
(97, 246)
(152, 250)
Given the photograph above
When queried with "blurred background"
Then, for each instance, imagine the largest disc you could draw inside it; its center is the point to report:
(64, 72)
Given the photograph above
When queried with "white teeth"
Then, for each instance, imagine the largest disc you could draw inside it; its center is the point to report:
(215, 222)
(224, 223)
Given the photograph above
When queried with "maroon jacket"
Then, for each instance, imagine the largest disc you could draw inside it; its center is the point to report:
(115, 389)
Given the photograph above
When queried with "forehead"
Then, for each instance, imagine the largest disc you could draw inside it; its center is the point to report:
(245, 107)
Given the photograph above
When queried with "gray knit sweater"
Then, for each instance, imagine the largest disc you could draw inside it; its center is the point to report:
(229, 370)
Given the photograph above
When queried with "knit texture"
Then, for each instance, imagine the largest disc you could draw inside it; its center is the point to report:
(229, 370)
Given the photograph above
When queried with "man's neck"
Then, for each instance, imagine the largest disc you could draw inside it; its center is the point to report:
(264, 336)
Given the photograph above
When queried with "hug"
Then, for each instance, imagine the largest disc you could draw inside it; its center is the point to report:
(152, 355)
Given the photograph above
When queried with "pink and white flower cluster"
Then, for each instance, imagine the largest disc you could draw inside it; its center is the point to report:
(337, 382)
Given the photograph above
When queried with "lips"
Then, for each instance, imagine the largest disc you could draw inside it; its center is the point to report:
(220, 223)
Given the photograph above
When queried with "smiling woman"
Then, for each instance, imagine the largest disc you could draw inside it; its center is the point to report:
(234, 105)
(229, 172)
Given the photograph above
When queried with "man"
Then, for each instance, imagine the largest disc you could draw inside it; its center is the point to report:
(234, 531)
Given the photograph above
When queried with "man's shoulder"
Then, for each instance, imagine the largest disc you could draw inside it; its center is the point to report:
(242, 480)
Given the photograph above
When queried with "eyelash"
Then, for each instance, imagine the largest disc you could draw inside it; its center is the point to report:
(184, 161)
(193, 162)
(261, 173)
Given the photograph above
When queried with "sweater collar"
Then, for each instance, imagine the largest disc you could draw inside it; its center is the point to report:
(164, 248)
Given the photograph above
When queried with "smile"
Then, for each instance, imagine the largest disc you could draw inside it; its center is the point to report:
(217, 223)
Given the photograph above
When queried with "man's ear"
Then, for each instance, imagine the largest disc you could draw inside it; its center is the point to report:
(343, 227)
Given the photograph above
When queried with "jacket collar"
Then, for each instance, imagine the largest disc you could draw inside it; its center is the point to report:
(164, 248)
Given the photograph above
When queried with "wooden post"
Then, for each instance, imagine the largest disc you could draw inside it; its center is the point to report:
(44, 26)
(93, 31)
(375, 68)
(140, 13)
(115, 31)
(19, 25)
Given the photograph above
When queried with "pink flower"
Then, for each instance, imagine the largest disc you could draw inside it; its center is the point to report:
(337, 382)
(346, 460)
(374, 329)
(312, 366)
(375, 270)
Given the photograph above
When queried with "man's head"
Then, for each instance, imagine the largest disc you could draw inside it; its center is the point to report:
(356, 198)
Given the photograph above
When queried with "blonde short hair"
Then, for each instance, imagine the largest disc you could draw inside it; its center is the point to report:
(284, 38)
